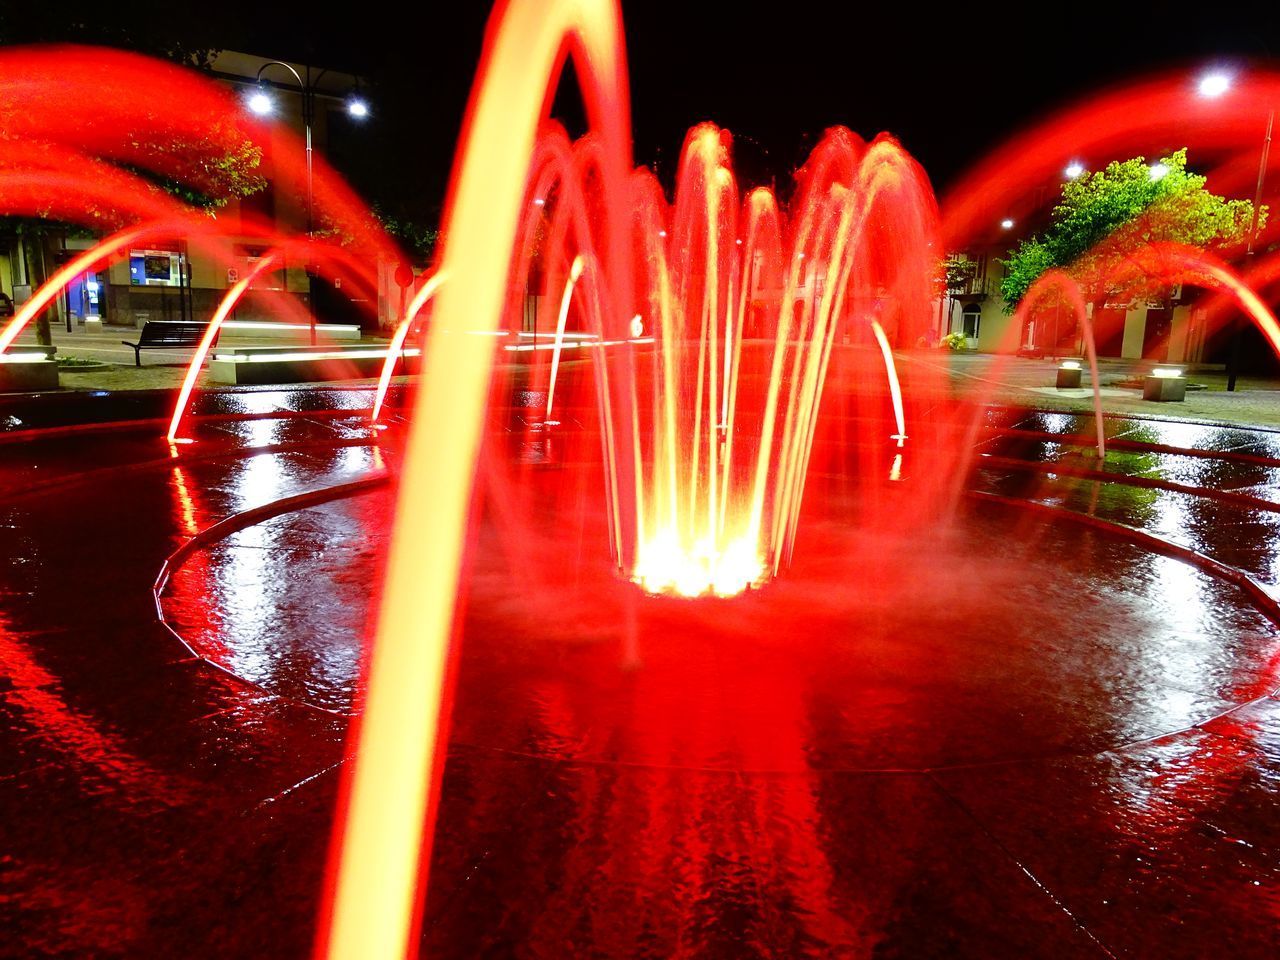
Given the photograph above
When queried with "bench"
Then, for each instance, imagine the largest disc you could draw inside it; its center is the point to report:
(167, 335)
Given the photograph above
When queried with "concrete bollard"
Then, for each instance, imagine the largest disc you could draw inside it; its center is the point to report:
(1165, 385)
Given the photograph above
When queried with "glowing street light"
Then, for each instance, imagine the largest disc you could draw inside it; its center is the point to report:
(1075, 169)
(1214, 84)
(1006, 224)
(261, 104)
(1158, 171)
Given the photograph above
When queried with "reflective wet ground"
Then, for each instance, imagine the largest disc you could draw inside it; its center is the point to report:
(1035, 734)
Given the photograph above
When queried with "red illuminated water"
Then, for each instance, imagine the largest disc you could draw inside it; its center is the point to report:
(732, 353)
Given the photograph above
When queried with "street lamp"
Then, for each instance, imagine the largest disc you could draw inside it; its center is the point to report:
(260, 103)
(1215, 84)
(1006, 224)
(1075, 169)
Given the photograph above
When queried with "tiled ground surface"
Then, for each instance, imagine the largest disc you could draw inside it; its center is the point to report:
(1015, 741)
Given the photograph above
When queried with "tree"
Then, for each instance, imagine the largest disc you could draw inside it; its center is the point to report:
(204, 172)
(1111, 212)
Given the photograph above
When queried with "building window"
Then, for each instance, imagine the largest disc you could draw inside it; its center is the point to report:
(970, 317)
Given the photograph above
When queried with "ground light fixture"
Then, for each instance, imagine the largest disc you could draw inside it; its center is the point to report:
(1069, 374)
(1165, 385)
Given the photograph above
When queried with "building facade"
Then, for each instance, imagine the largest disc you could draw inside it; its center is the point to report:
(164, 279)
(1169, 330)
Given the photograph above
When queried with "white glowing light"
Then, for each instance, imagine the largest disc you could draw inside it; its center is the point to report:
(357, 108)
(272, 325)
(1214, 84)
(1074, 169)
(637, 326)
(261, 104)
(1006, 224)
(1167, 373)
(1070, 364)
(665, 566)
(895, 471)
(322, 355)
(1159, 171)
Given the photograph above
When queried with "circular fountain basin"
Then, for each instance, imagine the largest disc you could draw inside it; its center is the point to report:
(1001, 639)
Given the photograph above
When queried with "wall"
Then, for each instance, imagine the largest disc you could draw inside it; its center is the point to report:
(1135, 324)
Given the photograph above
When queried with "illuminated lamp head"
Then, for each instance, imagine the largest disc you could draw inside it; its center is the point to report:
(261, 103)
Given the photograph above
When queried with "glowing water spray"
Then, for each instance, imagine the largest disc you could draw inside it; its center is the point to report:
(228, 303)
(427, 291)
(394, 788)
(895, 388)
(575, 271)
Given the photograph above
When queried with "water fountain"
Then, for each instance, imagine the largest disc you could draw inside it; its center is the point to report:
(745, 450)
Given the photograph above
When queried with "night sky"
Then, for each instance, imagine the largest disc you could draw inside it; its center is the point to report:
(950, 84)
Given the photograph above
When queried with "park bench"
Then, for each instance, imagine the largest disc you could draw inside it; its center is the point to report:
(167, 335)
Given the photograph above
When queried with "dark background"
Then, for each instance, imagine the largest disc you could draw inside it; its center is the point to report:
(951, 83)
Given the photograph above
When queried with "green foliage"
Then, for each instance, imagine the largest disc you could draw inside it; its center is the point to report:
(954, 341)
(415, 237)
(1103, 215)
(958, 270)
(201, 173)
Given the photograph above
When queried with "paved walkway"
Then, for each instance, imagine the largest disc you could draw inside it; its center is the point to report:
(1012, 380)
(1030, 383)
(161, 369)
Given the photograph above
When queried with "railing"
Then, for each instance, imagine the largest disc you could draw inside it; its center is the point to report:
(980, 285)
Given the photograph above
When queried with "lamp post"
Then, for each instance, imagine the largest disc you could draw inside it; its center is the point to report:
(262, 104)
(1233, 362)
(1212, 85)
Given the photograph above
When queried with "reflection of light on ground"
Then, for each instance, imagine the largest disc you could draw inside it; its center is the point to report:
(270, 401)
(260, 481)
(185, 504)
(1058, 423)
(242, 585)
(93, 746)
(261, 433)
(1169, 518)
(357, 459)
(1183, 595)
(1180, 434)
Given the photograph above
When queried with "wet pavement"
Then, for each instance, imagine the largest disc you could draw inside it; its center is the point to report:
(1010, 738)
